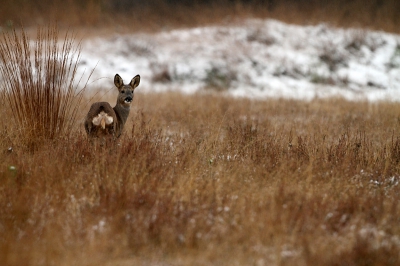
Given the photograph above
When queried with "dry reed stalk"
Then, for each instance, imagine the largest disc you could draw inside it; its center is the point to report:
(39, 82)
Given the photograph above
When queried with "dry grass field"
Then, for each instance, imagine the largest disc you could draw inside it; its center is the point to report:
(199, 179)
(205, 179)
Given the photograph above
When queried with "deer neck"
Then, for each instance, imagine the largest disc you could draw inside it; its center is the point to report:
(122, 113)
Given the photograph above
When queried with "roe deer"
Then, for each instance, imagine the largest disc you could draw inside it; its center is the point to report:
(103, 120)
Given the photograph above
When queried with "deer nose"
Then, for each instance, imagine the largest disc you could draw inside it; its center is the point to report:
(128, 99)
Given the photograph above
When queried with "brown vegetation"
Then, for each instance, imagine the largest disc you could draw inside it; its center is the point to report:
(38, 84)
(206, 179)
(161, 14)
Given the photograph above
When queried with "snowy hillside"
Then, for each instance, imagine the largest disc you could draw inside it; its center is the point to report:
(257, 59)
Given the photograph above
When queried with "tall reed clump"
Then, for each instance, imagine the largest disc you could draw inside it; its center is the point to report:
(38, 83)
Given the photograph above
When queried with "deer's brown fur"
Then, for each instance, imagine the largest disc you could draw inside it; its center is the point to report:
(102, 120)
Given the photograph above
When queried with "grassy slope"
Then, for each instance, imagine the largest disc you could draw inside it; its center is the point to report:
(200, 179)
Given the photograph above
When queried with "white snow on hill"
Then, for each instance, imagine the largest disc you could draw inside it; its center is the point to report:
(257, 59)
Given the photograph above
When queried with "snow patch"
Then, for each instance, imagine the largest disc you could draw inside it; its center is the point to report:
(257, 59)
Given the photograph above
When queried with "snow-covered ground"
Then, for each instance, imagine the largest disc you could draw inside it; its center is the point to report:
(257, 59)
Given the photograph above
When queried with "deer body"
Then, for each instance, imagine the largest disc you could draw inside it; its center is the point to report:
(102, 120)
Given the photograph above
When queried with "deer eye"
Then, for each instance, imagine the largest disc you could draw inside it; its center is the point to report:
(122, 91)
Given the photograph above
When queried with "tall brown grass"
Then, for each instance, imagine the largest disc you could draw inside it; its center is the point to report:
(39, 83)
(211, 180)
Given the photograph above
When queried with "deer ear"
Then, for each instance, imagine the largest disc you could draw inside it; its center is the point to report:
(135, 81)
(118, 81)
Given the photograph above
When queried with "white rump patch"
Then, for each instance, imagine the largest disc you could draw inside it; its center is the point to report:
(102, 119)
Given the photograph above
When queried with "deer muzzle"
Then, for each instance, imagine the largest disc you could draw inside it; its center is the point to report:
(128, 99)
